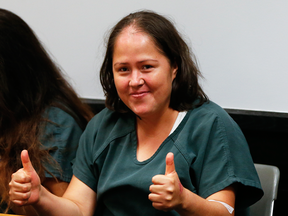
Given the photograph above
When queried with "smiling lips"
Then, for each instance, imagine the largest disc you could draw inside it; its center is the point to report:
(139, 94)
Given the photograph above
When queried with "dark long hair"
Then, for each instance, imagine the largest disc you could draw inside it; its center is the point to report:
(186, 90)
(29, 82)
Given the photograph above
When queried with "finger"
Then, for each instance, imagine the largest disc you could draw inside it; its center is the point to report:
(19, 198)
(19, 195)
(157, 202)
(170, 166)
(156, 188)
(20, 176)
(157, 206)
(160, 179)
(19, 202)
(27, 165)
(18, 187)
(153, 197)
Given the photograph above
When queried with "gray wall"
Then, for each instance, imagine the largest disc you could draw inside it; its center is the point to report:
(241, 46)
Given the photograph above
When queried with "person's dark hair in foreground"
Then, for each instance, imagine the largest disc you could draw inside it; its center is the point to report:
(33, 92)
(160, 147)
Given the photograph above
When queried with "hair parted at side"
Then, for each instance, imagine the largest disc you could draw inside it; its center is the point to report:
(29, 83)
(186, 90)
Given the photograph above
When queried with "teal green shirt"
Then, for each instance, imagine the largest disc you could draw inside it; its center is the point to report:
(61, 135)
(210, 153)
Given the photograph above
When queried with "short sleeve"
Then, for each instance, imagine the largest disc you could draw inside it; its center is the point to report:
(61, 137)
(224, 158)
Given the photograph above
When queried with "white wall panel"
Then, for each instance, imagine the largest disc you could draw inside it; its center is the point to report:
(241, 46)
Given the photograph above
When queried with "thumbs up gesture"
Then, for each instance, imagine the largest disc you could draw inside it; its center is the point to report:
(166, 190)
(25, 184)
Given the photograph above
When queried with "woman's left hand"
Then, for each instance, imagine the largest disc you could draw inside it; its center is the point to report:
(167, 190)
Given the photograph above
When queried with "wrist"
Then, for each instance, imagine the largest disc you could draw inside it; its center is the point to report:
(41, 194)
(184, 206)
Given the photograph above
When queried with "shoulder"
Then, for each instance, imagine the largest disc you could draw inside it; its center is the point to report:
(59, 127)
(208, 128)
(112, 122)
(107, 126)
(58, 116)
(212, 118)
(210, 108)
(210, 113)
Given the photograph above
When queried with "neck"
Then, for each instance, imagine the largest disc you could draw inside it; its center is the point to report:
(156, 124)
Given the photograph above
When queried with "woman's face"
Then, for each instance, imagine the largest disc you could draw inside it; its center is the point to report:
(143, 76)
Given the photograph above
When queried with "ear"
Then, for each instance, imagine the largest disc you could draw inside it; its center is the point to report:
(174, 69)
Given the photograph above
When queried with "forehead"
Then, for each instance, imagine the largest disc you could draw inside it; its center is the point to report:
(137, 35)
(133, 31)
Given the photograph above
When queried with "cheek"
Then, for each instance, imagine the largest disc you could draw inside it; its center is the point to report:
(120, 85)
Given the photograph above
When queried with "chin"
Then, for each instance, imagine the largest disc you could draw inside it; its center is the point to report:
(143, 113)
(140, 112)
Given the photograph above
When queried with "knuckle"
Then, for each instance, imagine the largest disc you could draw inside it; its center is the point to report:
(169, 198)
(149, 197)
(28, 187)
(20, 202)
(172, 181)
(156, 206)
(170, 190)
(13, 176)
(23, 178)
(25, 188)
(26, 196)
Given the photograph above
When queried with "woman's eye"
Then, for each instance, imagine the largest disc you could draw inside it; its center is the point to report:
(146, 67)
(124, 69)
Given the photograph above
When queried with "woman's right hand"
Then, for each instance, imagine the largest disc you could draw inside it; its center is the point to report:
(25, 185)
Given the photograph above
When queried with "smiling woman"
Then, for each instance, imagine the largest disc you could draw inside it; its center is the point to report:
(161, 147)
(142, 75)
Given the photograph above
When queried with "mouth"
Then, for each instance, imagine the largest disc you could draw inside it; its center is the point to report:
(138, 94)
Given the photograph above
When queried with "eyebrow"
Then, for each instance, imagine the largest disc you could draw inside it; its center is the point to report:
(148, 60)
(120, 63)
(125, 63)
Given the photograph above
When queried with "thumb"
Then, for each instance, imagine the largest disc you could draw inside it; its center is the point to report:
(27, 165)
(170, 166)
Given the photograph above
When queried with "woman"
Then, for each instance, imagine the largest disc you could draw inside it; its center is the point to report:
(161, 148)
(39, 110)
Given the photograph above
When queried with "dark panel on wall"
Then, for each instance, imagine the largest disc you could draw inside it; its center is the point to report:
(267, 136)
(96, 104)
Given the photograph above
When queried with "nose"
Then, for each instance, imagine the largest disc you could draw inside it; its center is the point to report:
(136, 79)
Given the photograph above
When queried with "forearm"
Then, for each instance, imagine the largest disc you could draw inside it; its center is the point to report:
(52, 205)
(194, 205)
